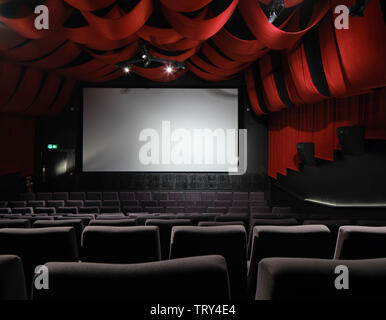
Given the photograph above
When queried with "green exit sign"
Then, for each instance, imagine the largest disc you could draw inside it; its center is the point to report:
(52, 146)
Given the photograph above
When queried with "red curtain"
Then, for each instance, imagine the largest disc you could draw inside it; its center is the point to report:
(17, 145)
(317, 123)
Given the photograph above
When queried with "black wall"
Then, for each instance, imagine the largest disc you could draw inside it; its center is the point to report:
(351, 183)
(65, 130)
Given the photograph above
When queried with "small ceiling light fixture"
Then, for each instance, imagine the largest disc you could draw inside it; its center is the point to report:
(358, 8)
(275, 9)
(146, 59)
(169, 69)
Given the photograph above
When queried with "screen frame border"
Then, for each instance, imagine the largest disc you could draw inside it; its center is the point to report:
(79, 146)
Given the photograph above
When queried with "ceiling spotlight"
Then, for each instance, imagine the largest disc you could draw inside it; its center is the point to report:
(358, 8)
(169, 69)
(146, 59)
(275, 9)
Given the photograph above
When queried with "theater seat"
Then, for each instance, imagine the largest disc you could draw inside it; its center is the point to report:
(228, 241)
(67, 210)
(14, 223)
(143, 196)
(44, 196)
(124, 195)
(220, 223)
(176, 195)
(222, 203)
(282, 211)
(241, 203)
(17, 204)
(23, 210)
(110, 196)
(86, 218)
(110, 216)
(332, 224)
(60, 196)
(221, 210)
(255, 196)
(93, 203)
(12, 280)
(132, 209)
(240, 196)
(230, 217)
(358, 242)
(224, 196)
(110, 210)
(89, 210)
(77, 196)
(167, 203)
(33, 218)
(38, 246)
(154, 209)
(261, 209)
(193, 196)
(94, 196)
(238, 210)
(267, 222)
(46, 210)
(205, 203)
(159, 196)
(55, 203)
(148, 203)
(74, 203)
(313, 279)
(113, 222)
(165, 229)
(111, 203)
(77, 224)
(209, 195)
(185, 203)
(140, 218)
(371, 223)
(120, 244)
(287, 241)
(196, 218)
(36, 203)
(198, 278)
(195, 210)
(129, 203)
(174, 209)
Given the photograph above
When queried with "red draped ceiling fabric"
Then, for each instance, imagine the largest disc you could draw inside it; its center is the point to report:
(326, 62)
(217, 39)
(318, 123)
(108, 32)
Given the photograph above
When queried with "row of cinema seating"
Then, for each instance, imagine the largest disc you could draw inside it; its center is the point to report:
(175, 202)
(144, 196)
(119, 219)
(129, 252)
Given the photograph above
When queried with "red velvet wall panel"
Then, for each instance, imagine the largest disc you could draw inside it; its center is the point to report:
(317, 123)
(16, 145)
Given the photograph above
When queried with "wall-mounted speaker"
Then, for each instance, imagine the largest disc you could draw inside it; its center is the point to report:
(306, 152)
(352, 140)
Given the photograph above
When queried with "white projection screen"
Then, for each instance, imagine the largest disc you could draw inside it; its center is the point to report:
(160, 130)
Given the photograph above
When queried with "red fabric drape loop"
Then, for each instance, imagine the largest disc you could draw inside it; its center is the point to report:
(185, 5)
(90, 5)
(271, 36)
(118, 28)
(199, 29)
